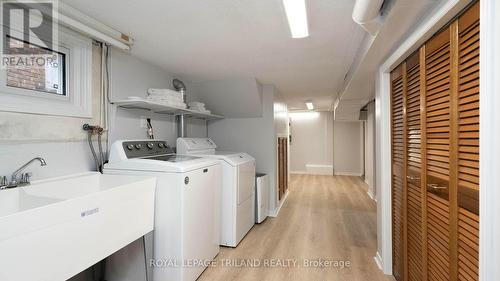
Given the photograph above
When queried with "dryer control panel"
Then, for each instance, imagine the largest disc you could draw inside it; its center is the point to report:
(145, 148)
(195, 146)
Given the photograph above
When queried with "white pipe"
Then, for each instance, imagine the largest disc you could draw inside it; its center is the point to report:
(78, 21)
(367, 14)
(80, 27)
(366, 10)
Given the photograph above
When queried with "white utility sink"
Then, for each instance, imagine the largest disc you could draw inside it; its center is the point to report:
(53, 229)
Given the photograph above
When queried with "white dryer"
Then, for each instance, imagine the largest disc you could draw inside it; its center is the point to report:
(238, 187)
(186, 227)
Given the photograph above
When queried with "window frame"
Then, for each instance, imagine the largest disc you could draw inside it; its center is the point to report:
(39, 93)
(77, 101)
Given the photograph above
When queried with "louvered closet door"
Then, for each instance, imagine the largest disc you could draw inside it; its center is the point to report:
(437, 99)
(435, 156)
(413, 170)
(398, 155)
(468, 144)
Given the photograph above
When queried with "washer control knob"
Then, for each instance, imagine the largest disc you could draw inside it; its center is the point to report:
(138, 146)
(150, 145)
(160, 145)
(130, 147)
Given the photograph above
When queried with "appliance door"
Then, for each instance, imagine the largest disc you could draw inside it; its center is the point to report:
(201, 223)
(246, 181)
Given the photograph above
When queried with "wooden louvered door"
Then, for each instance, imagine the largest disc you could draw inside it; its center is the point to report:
(398, 174)
(435, 156)
(282, 166)
(468, 144)
(414, 208)
(437, 152)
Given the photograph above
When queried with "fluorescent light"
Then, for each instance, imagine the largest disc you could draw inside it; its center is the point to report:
(310, 105)
(297, 17)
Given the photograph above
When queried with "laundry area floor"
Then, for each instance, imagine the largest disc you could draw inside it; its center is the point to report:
(326, 230)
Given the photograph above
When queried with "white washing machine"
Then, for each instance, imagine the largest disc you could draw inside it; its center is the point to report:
(187, 224)
(238, 187)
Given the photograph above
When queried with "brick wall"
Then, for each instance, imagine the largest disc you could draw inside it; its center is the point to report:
(31, 78)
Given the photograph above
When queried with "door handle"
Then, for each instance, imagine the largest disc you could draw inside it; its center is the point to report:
(412, 178)
(436, 186)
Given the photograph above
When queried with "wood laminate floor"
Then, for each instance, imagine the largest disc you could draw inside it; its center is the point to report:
(324, 218)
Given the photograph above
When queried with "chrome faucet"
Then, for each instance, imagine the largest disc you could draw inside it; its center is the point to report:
(24, 179)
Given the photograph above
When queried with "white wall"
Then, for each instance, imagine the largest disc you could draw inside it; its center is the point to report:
(255, 136)
(370, 150)
(60, 140)
(233, 98)
(131, 76)
(348, 150)
(281, 130)
(280, 116)
(312, 142)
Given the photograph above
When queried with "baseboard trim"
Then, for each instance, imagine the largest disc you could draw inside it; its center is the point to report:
(310, 173)
(348, 174)
(275, 213)
(378, 261)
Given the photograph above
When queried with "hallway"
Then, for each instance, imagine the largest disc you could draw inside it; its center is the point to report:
(324, 217)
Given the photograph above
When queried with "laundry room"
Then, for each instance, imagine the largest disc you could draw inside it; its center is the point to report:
(125, 105)
(184, 140)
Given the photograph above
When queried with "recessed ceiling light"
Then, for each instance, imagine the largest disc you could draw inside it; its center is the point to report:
(296, 14)
(310, 105)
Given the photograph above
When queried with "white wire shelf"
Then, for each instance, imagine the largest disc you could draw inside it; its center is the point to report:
(164, 109)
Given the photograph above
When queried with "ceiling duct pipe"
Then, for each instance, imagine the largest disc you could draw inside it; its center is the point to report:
(367, 13)
(180, 119)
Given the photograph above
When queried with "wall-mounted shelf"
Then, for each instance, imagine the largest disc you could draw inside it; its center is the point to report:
(164, 109)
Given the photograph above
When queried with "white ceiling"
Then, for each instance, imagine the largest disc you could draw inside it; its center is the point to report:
(219, 39)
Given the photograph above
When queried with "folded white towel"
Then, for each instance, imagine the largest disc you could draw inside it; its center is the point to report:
(201, 111)
(164, 92)
(196, 104)
(197, 108)
(174, 104)
(166, 98)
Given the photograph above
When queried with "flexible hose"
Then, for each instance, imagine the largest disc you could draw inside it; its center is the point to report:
(96, 160)
(101, 154)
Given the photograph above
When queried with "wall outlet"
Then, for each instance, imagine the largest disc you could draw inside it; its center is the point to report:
(144, 122)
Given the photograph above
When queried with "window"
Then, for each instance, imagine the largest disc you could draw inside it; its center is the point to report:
(48, 76)
(61, 86)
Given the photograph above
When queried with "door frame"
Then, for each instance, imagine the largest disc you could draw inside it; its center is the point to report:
(489, 140)
(440, 17)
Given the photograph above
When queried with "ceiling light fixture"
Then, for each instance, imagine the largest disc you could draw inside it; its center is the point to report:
(310, 105)
(296, 14)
